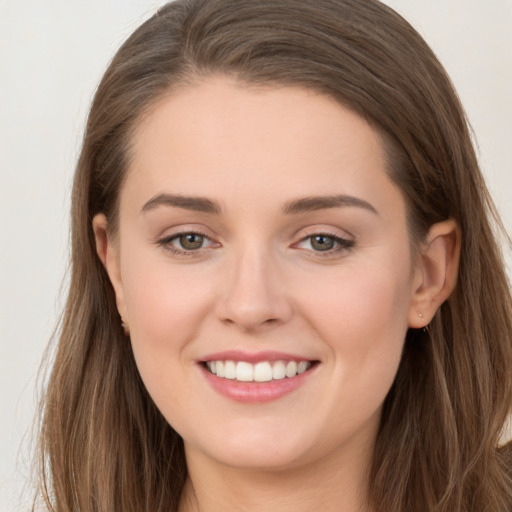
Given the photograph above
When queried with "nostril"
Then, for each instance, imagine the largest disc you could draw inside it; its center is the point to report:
(248, 325)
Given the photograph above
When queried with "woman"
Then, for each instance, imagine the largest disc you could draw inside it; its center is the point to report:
(286, 293)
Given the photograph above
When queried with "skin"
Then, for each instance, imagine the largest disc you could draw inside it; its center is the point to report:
(259, 283)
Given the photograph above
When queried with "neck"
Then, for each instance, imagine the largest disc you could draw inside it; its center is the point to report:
(334, 484)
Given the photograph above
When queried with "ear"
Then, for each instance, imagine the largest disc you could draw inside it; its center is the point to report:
(436, 272)
(108, 252)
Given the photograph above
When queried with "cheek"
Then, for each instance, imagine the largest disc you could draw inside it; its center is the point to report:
(165, 307)
(365, 300)
(164, 302)
(362, 318)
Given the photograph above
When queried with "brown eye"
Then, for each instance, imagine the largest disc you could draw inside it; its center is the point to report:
(191, 241)
(322, 242)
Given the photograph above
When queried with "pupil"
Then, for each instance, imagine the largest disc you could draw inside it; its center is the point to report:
(322, 243)
(191, 241)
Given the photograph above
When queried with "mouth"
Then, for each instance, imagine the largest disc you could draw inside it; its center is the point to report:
(262, 371)
(256, 378)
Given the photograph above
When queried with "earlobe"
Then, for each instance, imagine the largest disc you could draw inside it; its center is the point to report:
(107, 250)
(436, 272)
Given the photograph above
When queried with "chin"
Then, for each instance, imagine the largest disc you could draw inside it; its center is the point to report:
(267, 458)
(259, 448)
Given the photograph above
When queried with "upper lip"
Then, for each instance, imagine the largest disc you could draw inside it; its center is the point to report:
(254, 357)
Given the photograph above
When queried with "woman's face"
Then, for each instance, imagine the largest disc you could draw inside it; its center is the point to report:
(261, 238)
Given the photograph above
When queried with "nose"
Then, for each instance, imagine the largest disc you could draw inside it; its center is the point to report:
(253, 296)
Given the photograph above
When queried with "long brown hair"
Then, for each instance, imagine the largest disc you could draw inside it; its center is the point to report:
(104, 445)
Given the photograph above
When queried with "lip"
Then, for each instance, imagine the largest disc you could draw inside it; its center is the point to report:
(253, 358)
(255, 392)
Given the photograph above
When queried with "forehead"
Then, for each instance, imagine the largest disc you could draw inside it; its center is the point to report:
(224, 138)
(220, 109)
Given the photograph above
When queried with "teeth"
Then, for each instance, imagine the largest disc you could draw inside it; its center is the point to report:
(278, 370)
(291, 369)
(229, 370)
(244, 371)
(302, 367)
(263, 371)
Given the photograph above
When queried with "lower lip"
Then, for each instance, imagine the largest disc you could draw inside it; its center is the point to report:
(256, 392)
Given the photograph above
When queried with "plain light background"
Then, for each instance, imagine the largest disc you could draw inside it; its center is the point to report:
(52, 55)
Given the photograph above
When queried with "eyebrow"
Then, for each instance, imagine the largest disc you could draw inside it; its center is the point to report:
(197, 204)
(311, 204)
(303, 205)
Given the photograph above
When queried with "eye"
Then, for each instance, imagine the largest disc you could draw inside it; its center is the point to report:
(184, 243)
(322, 242)
(190, 241)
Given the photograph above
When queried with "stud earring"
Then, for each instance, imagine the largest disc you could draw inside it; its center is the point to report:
(424, 328)
(126, 329)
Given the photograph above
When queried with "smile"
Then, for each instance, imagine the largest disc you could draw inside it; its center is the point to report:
(263, 371)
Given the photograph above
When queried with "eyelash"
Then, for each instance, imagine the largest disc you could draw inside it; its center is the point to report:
(343, 245)
(166, 243)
